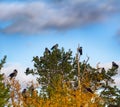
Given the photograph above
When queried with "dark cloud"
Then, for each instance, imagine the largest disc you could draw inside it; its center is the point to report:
(35, 17)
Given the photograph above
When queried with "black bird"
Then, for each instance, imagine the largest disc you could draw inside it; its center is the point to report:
(24, 93)
(47, 50)
(80, 50)
(54, 47)
(88, 89)
(14, 74)
(27, 71)
(103, 70)
(114, 65)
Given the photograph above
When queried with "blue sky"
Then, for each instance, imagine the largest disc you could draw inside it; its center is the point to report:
(27, 27)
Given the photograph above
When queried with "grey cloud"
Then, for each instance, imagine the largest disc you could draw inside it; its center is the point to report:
(35, 17)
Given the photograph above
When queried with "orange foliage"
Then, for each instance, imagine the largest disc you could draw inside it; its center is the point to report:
(63, 97)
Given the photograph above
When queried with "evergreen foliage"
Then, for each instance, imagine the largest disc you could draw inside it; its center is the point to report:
(57, 67)
(4, 89)
(51, 67)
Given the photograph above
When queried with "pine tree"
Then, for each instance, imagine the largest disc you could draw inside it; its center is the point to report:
(54, 65)
(4, 89)
(100, 81)
(57, 67)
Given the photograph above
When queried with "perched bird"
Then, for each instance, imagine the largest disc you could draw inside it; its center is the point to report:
(80, 50)
(103, 70)
(54, 47)
(47, 50)
(24, 93)
(28, 71)
(114, 65)
(14, 74)
(88, 89)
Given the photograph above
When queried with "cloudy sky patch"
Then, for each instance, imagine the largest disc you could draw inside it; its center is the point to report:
(35, 17)
(94, 24)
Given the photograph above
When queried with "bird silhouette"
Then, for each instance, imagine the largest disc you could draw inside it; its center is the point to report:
(47, 50)
(88, 89)
(80, 50)
(24, 93)
(114, 65)
(13, 74)
(54, 47)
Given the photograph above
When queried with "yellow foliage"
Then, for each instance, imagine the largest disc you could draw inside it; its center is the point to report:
(63, 97)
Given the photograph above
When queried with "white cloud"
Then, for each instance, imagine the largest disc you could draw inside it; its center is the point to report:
(35, 17)
(23, 79)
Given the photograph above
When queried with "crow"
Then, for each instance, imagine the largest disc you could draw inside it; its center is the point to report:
(27, 70)
(88, 89)
(103, 70)
(24, 93)
(54, 47)
(47, 50)
(80, 50)
(14, 74)
(114, 65)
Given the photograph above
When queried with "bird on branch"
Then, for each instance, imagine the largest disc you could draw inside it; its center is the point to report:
(24, 93)
(13, 74)
(114, 65)
(47, 50)
(80, 50)
(88, 89)
(54, 47)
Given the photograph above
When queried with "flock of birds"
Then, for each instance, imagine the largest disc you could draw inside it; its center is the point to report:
(79, 49)
(15, 72)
